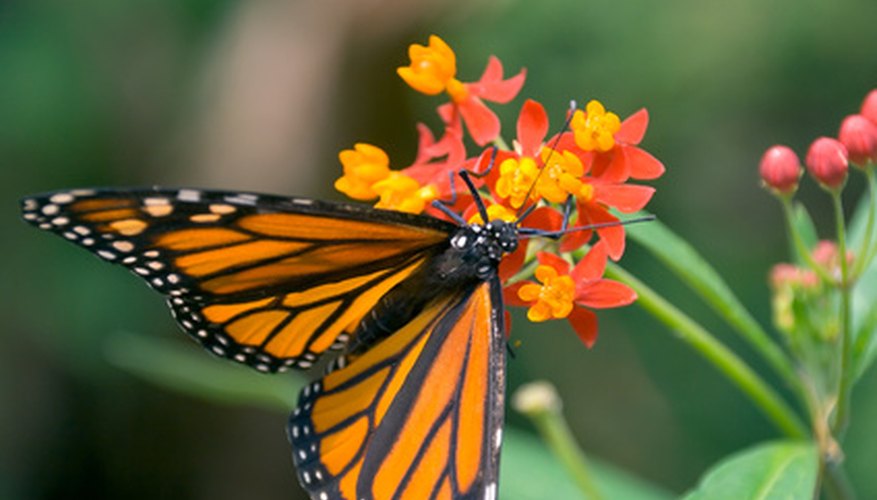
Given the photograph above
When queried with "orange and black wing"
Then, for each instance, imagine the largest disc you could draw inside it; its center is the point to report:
(419, 415)
(268, 281)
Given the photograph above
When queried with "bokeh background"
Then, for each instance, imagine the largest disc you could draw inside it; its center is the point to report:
(261, 95)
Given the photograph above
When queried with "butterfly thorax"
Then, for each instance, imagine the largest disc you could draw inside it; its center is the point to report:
(472, 256)
(476, 251)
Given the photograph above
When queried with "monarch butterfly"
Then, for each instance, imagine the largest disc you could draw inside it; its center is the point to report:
(413, 407)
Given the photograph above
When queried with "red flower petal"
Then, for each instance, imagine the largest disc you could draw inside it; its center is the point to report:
(592, 265)
(627, 198)
(584, 322)
(549, 259)
(641, 164)
(546, 218)
(633, 128)
(425, 141)
(532, 127)
(511, 263)
(613, 236)
(603, 294)
(492, 87)
(482, 123)
(510, 294)
(611, 166)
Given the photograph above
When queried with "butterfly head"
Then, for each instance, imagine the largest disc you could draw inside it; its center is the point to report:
(484, 245)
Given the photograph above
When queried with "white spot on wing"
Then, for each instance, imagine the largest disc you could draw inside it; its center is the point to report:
(490, 492)
(61, 198)
(189, 195)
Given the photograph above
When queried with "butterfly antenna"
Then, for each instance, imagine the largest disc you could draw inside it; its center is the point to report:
(523, 213)
(464, 174)
(444, 205)
(532, 231)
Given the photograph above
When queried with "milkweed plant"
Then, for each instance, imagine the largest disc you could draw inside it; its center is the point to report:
(578, 180)
(587, 175)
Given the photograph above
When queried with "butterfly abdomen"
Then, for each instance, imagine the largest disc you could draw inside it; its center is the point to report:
(472, 256)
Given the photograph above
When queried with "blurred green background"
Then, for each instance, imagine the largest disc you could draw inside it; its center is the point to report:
(261, 95)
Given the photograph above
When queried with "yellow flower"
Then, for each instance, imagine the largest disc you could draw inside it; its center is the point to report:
(554, 297)
(494, 212)
(516, 177)
(433, 69)
(400, 192)
(562, 175)
(363, 166)
(595, 128)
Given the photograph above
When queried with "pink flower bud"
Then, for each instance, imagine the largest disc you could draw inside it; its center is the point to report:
(869, 106)
(827, 162)
(780, 169)
(859, 136)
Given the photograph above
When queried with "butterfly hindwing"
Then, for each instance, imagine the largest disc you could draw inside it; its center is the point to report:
(419, 415)
(269, 281)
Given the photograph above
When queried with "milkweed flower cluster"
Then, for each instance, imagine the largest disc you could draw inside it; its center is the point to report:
(581, 175)
(812, 298)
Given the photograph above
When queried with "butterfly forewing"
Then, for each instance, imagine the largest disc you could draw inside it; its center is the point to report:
(268, 281)
(419, 415)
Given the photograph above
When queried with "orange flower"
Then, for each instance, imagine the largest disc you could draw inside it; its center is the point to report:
(494, 212)
(433, 69)
(562, 176)
(363, 166)
(565, 293)
(595, 128)
(400, 192)
(552, 299)
(516, 177)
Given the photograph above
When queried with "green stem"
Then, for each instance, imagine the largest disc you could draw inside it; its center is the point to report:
(868, 248)
(835, 482)
(842, 416)
(695, 272)
(798, 241)
(543, 406)
(764, 397)
(500, 143)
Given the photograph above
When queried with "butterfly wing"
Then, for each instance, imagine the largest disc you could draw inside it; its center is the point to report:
(419, 415)
(269, 281)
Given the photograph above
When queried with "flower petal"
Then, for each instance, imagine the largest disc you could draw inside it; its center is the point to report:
(510, 294)
(603, 294)
(545, 218)
(627, 198)
(611, 166)
(633, 128)
(532, 127)
(511, 263)
(492, 87)
(592, 265)
(482, 123)
(641, 164)
(584, 322)
(557, 263)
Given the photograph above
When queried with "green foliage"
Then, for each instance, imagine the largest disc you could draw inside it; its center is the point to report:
(531, 472)
(780, 470)
(185, 368)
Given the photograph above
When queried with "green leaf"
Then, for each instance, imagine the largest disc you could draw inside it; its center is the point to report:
(864, 314)
(779, 470)
(806, 228)
(858, 222)
(186, 368)
(684, 261)
(529, 471)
